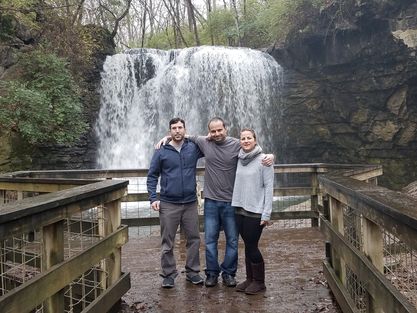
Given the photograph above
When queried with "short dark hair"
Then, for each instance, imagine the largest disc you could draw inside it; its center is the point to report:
(175, 120)
(216, 119)
(249, 130)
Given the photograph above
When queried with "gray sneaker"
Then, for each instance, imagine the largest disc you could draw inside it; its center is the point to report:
(168, 282)
(195, 279)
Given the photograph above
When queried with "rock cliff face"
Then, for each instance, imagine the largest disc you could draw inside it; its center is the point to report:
(350, 89)
(83, 154)
(17, 155)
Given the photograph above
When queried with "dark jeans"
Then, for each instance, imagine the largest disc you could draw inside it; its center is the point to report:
(250, 230)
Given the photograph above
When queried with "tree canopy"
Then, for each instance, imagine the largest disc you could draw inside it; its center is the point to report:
(177, 23)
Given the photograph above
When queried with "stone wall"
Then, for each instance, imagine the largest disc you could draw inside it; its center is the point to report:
(350, 93)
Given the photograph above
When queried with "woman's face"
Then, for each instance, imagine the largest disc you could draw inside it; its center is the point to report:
(247, 141)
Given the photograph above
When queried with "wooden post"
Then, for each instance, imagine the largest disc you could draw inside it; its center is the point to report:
(373, 248)
(53, 253)
(336, 218)
(2, 197)
(326, 208)
(314, 198)
(2, 266)
(373, 243)
(373, 181)
(110, 222)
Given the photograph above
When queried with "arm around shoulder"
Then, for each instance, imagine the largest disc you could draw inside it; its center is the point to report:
(196, 139)
(268, 180)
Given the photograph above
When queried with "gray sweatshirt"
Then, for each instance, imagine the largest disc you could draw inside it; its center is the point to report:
(221, 161)
(253, 189)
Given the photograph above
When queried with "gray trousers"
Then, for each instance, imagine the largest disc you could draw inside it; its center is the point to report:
(171, 215)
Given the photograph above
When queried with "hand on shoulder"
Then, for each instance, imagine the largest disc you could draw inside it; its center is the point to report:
(162, 142)
(268, 160)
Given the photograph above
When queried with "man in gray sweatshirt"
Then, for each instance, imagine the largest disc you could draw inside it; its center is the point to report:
(221, 155)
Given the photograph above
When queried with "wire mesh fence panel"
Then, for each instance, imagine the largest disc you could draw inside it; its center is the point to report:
(291, 181)
(20, 261)
(357, 291)
(85, 289)
(9, 196)
(352, 227)
(292, 204)
(400, 266)
(82, 230)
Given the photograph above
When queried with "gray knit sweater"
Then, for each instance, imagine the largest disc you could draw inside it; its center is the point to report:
(253, 189)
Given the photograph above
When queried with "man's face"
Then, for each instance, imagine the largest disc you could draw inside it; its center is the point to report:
(217, 131)
(177, 131)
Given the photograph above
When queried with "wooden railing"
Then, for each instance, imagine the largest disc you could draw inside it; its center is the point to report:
(371, 236)
(61, 251)
(286, 186)
(304, 192)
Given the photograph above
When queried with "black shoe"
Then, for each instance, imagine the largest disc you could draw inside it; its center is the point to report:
(168, 282)
(211, 281)
(229, 280)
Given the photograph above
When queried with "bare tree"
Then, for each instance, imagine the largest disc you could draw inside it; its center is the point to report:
(135, 22)
(192, 25)
(77, 16)
(210, 8)
(142, 43)
(236, 14)
(173, 10)
(117, 19)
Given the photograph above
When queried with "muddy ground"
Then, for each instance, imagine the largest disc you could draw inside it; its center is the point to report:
(294, 278)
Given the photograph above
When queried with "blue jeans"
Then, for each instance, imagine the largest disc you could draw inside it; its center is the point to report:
(217, 214)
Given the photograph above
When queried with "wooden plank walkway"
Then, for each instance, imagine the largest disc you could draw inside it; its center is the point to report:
(295, 282)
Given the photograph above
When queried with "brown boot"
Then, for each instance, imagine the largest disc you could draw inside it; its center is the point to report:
(242, 286)
(258, 283)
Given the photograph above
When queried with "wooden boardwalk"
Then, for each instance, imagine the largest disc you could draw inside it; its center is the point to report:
(295, 282)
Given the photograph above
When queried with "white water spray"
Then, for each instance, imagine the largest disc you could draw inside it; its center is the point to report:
(142, 89)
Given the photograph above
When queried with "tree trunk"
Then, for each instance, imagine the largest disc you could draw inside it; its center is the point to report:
(233, 3)
(192, 25)
(142, 42)
(210, 9)
(174, 13)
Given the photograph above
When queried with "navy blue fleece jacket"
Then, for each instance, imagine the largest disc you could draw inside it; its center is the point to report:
(177, 171)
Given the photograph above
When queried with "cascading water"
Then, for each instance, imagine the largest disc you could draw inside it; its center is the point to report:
(142, 89)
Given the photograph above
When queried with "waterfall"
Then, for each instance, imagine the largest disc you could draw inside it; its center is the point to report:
(142, 89)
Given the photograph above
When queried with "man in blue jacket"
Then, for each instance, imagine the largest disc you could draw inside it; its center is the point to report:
(175, 163)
